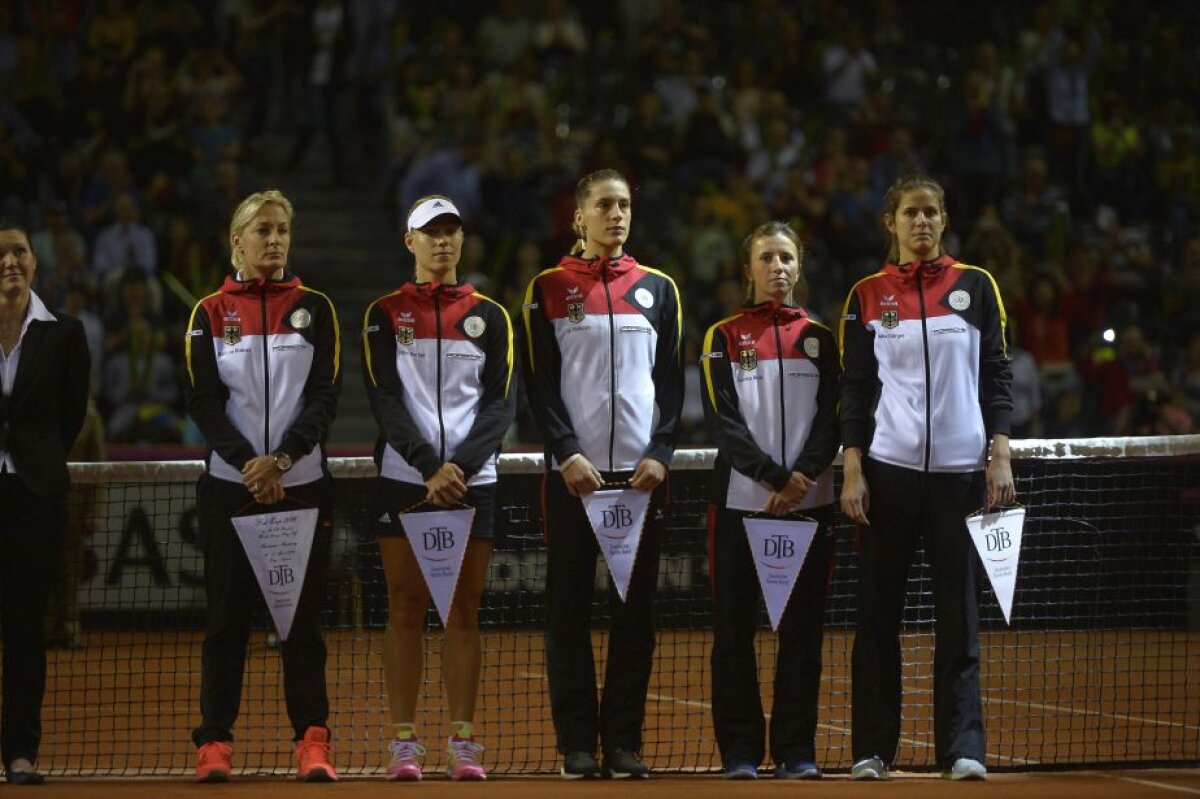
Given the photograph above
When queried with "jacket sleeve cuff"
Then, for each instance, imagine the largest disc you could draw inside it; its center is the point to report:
(241, 456)
(1000, 422)
(564, 448)
(856, 434)
(806, 468)
(778, 477)
(661, 452)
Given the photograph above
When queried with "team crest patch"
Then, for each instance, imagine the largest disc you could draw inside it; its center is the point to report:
(575, 312)
(404, 335)
(233, 334)
(960, 300)
(812, 347)
(300, 318)
(474, 326)
(748, 359)
(890, 319)
(644, 298)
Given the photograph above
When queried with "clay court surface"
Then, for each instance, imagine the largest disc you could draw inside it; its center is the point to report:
(1076, 785)
(119, 711)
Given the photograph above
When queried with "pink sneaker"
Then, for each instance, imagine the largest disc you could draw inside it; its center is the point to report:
(464, 760)
(406, 760)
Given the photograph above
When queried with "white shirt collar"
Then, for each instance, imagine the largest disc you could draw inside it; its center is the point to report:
(38, 310)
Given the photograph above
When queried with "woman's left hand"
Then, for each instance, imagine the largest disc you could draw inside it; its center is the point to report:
(648, 474)
(262, 479)
(1001, 489)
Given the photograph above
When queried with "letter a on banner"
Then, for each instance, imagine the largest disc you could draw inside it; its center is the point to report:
(779, 547)
(439, 540)
(997, 537)
(278, 545)
(617, 518)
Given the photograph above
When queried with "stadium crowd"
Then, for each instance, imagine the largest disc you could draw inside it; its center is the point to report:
(1065, 134)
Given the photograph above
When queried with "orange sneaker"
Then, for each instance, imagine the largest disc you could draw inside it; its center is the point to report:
(312, 756)
(214, 762)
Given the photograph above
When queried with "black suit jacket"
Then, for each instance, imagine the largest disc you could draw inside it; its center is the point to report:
(41, 418)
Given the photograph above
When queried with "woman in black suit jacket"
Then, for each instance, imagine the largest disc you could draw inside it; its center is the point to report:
(44, 366)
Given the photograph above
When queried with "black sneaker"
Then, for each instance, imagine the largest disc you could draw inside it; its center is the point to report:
(580, 766)
(621, 764)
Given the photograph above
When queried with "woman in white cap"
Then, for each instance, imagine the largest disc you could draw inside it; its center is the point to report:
(439, 359)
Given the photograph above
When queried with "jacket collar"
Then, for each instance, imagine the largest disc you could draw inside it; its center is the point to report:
(908, 271)
(616, 266)
(259, 285)
(450, 291)
(771, 309)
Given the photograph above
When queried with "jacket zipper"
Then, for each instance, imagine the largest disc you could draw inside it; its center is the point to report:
(437, 320)
(928, 386)
(782, 404)
(612, 369)
(266, 338)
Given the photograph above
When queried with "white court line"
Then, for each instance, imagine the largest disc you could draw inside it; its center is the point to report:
(1077, 712)
(533, 675)
(1166, 786)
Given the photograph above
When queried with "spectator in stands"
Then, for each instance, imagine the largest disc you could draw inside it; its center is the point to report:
(1037, 213)
(63, 253)
(849, 68)
(326, 41)
(766, 465)
(141, 387)
(79, 300)
(1026, 388)
(594, 436)
(902, 481)
(1185, 381)
(441, 420)
(126, 243)
(266, 443)
(43, 396)
(113, 33)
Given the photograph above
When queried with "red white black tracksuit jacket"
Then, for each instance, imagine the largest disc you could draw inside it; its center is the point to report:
(264, 372)
(927, 378)
(603, 359)
(439, 365)
(771, 374)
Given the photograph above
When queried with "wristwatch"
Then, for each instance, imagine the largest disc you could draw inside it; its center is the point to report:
(283, 461)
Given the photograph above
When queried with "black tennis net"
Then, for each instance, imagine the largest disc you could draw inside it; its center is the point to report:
(1097, 668)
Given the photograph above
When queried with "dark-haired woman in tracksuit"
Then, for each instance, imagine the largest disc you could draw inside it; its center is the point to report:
(926, 386)
(771, 375)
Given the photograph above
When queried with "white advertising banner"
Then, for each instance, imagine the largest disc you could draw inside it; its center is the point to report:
(997, 538)
(439, 540)
(617, 518)
(779, 547)
(278, 545)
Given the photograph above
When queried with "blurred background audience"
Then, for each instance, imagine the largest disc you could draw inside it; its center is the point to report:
(1065, 132)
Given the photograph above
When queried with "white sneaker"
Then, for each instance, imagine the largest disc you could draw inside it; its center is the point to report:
(869, 768)
(966, 768)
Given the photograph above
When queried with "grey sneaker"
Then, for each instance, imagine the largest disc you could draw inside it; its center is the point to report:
(966, 768)
(579, 765)
(621, 764)
(869, 768)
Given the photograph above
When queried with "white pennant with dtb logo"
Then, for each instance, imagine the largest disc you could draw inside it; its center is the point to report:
(997, 538)
(779, 547)
(617, 518)
(439, 540)
(278, 545)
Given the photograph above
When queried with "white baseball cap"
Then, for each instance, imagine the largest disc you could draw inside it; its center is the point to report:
(430, 210)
